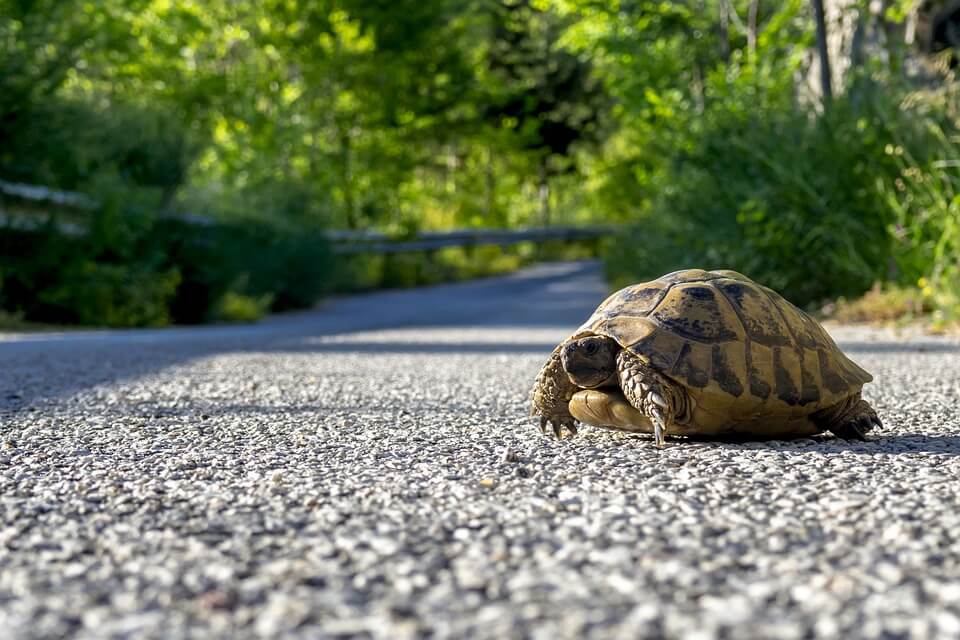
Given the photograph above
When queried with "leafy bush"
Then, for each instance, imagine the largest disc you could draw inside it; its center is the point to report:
(791, 200)
(236, 307)
(164, 272)
(115, 295)
(291, 269)
(52, 278)
(69, 143)
(924, 198)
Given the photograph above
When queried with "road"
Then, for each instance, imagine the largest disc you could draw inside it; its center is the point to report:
(368, 470)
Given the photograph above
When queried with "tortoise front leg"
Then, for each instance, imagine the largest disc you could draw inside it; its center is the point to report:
(661, 400)
(550, 397)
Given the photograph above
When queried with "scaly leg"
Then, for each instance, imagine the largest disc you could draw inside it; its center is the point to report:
(550, 397)
(661, 400)
(849, 419)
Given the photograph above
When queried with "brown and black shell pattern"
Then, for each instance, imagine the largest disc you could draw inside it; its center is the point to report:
(739, 348)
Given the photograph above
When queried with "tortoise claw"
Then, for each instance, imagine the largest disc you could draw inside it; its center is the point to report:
(659, 427)
(557, 425)
(854, 429)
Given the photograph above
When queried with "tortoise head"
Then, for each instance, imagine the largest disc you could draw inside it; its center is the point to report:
(591, 362)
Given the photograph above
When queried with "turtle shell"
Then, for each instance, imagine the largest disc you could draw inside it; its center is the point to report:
(738, 347)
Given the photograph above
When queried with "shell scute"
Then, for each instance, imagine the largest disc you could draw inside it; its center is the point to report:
(628, 329)
(635, 300)
(832, 380)
(810, 390)
(688, 275)
(725, 373)
(761, 320)
(759, 360)
(695, 311)
(731, 275)
(686, 368)
(807, 333)
(785, 377)
(659, 348)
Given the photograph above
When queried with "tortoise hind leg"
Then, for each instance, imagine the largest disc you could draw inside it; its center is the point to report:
(849, 419)
(661, 400)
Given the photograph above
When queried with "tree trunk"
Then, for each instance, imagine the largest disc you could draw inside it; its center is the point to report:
(490, 201)
(752, 31)
(857, 43)
(697, 88)
(346, 177)
(543, 191)
(826, 83)
(724, 29)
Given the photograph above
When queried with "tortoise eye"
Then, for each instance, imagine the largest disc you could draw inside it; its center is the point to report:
(592, 348)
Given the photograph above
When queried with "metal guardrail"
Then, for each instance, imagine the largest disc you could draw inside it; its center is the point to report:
(345, 242)
(436, 240)
(44, 195)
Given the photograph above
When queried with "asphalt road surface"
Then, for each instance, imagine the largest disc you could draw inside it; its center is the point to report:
(368, 470)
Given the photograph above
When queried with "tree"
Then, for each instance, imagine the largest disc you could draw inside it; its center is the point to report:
(823, 52)
(547, 95)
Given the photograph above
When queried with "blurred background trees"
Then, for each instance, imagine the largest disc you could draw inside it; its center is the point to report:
(723, 132)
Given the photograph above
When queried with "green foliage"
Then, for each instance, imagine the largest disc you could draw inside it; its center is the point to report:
(774, 195)
(72, 144)
(236, 307)
(113, 295)
(276, 268)
(51, 278)
(278, 119)
(924, 199)
(720, 162)
(12, 322)
(169, 272)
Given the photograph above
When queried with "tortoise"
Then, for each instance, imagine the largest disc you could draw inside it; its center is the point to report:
(704, 353)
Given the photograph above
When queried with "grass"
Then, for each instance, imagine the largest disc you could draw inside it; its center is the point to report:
(894, 305)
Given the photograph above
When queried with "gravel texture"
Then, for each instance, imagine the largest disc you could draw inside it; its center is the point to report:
(368, 470)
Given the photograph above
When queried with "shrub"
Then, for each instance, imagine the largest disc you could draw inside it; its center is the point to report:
(114, 295)
(166, 272)
(924, 197)
(236, 307)
(788, 199)
(884, 303)
(52, 278)
(66, 143)
(248, 259)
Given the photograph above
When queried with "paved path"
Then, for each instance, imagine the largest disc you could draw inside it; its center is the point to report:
(342, 473)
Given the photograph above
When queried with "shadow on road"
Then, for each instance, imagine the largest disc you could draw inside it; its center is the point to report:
(876, 445)
(920, 443)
